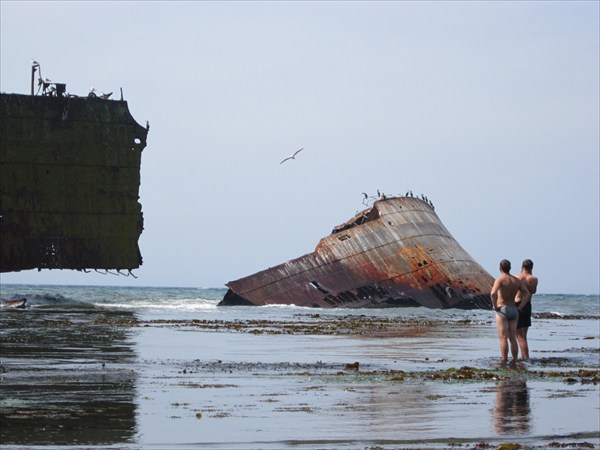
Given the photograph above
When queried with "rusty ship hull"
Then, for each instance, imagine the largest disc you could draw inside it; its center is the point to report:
(69, 183)
(396, 253)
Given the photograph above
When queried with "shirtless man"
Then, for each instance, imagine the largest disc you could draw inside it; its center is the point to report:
(503, 294)
(524, 306)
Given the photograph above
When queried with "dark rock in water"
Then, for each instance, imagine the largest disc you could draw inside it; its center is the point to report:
(352, 366)
(13, 303)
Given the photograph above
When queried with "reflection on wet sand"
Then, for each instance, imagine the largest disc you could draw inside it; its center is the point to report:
(512, 413)
(65, 379)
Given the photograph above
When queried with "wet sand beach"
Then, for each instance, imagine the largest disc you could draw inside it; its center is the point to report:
(94, 378)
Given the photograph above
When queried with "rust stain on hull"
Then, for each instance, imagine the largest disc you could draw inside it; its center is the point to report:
(396, 253)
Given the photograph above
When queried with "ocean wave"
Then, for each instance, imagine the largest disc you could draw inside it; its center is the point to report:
(165, 304)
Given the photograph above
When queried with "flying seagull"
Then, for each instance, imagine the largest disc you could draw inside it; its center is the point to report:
(293, 156)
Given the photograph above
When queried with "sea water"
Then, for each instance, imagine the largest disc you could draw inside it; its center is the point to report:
(126, 367)
(184, 303)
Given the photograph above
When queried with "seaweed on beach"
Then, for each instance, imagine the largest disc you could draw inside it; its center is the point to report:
(467, 373)
(357, 372)
(310, 324)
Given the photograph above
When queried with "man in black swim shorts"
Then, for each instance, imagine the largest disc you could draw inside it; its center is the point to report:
(524, 306)
(503, 294)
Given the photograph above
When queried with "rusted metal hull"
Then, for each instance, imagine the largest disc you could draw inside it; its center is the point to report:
(397, 253)
(69, 184)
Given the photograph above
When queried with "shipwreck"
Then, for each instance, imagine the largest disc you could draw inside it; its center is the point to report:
(69, 181)
(395, 253)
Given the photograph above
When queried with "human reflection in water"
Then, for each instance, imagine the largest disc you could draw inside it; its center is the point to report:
(511, 414)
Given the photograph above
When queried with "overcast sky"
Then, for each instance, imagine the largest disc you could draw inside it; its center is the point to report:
(491, 109)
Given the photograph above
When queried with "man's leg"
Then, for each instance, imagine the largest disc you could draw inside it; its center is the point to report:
(512, 336)
(502, 326)
(522, 338)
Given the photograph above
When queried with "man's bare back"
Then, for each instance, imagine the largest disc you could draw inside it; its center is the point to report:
(505, 290)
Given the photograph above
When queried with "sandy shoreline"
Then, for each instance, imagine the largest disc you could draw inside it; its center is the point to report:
(113, 380)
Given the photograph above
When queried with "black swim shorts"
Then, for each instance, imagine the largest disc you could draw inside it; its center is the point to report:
(525, 316)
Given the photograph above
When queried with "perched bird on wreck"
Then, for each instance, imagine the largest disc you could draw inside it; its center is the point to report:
(293, 156)
(365, 200)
